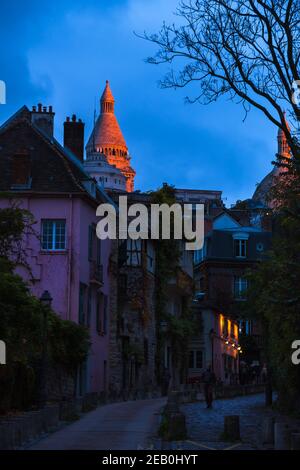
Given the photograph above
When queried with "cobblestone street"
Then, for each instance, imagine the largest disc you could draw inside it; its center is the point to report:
(205, 426)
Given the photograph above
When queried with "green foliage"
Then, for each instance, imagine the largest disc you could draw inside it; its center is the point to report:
(20, 325)
(274, 295)
(134, 350)
(167, 254)
(14, 224)
(180, 327)
(25, 323)
(69, 342)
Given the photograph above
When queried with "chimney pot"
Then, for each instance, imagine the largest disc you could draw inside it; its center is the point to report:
(74, 136)
(43, 119)
(50, 109)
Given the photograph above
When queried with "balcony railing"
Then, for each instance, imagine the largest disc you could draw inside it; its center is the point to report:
(96, 272)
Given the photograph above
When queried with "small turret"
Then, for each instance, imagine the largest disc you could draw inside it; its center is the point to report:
(283, 146)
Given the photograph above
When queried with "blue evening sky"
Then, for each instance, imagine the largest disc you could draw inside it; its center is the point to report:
(61, 53)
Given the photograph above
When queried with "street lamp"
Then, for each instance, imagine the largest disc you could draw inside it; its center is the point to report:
(212, 334)
(46, 298)
(46, 301)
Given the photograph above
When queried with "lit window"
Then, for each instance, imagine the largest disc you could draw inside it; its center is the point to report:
(240, 248)
(53, 235)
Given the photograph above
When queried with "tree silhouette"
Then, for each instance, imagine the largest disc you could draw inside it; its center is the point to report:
(248, 50)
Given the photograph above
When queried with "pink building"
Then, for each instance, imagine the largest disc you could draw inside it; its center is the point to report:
(65, 257)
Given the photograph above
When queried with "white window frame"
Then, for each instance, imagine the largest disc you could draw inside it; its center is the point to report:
(53, 247)
(240, 241)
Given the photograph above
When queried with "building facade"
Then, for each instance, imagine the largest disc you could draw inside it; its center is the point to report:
(215, 344)
(64, 255)
(237, 242)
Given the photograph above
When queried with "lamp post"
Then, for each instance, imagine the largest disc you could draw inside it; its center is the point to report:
(46, 301)
(212, 335)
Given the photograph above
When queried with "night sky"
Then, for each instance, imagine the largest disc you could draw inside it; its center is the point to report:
(62, 52)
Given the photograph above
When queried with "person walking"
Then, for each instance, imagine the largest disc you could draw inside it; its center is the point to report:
(209, 380)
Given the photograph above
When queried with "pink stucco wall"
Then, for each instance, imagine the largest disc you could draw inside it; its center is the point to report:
(62, 272)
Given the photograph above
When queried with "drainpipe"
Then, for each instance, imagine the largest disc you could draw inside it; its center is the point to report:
(70, 257)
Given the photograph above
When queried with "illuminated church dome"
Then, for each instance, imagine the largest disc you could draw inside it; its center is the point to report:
(107, 139)
(262, 192)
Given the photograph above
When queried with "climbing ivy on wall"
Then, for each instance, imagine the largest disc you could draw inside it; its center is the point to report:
(178, 328)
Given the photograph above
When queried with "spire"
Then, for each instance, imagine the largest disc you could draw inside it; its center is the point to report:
(283, 146)
(107, 100)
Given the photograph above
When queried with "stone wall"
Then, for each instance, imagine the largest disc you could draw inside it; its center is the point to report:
(60, 384)
(115, 352)
(17, 431)
(132, 346)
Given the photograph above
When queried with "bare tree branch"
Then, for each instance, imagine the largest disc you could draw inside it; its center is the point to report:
(246, 49)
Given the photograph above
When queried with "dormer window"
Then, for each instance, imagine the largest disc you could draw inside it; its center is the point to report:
(240, 248)
(240, 244)
(21, 171)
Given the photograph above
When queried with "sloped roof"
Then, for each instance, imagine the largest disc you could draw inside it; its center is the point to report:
(53, 168)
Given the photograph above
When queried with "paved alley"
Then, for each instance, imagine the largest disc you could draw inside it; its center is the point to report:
(205, 426)
(118, 426)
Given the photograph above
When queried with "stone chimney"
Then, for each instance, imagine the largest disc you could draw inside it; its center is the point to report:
(43, 118)
(74, 136)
